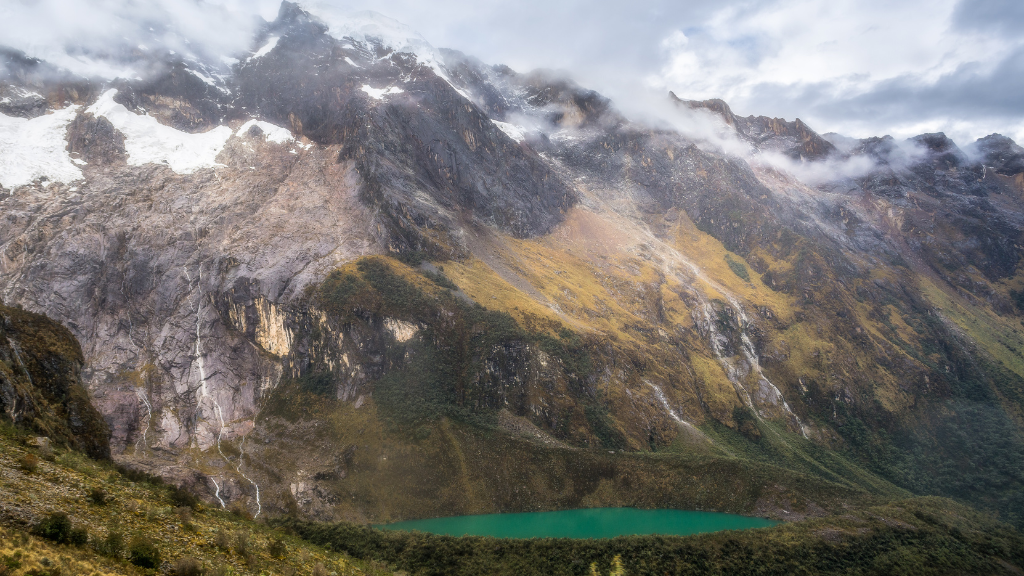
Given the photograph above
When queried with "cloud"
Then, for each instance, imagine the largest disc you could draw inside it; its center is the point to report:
(96, 37)
(867, 67)
(1001, 16)
(860, 67)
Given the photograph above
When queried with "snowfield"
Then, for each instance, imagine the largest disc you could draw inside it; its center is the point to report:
(36, 148)
(266, 49)
(148, 141)
(514, 132)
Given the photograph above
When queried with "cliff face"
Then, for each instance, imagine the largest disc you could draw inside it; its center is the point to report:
(353, 276)
(41, 386)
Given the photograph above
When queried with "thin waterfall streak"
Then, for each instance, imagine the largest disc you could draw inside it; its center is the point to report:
(747, 350)
(204, 392)
(141, 394)
(238, 468)
(216, 492)
(660, 395)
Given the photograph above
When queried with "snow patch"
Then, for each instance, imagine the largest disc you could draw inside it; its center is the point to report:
(351, 63)
(514, 132)
(36, 148)
(148, 141)
(275, 134)
(380, 93)
(270, 45)
(203, 77)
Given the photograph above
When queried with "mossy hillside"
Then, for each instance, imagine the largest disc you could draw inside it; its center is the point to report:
(869, 361)
(135, 508)
(635, 323)
(380, 472)
(40, 375)
(822, 365)
(466, 362)
(915, 536)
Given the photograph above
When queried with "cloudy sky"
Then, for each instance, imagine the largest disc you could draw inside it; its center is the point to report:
(858, 67)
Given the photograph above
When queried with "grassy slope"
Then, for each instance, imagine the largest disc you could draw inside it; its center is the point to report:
(407, 452)
(917, 536)
(134, 508)
(442, 467)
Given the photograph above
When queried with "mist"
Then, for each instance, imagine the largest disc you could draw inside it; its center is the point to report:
(102, 38)
(856, 68)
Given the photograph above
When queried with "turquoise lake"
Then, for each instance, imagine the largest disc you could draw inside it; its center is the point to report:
(585, 523)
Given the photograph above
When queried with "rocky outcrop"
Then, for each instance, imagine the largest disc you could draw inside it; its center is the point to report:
(792, 138)
(41, 386)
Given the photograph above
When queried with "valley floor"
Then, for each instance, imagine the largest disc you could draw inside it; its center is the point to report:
(904, 536)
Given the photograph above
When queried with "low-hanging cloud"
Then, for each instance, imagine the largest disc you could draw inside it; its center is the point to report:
(860, 67)
(97, 37)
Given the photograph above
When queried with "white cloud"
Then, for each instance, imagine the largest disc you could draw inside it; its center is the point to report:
(767, 59)
(861, 67)
(95, 30)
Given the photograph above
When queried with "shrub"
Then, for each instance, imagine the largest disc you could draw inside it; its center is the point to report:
(188, 566)
(319, 569)
(617, 569)
(243, 546)
(78, 536)
(746, 422)
(29, 463)
(222, 540)
(55, 527)
(9, 564)
(143, 552)
(241, 510)
(184, 514)
(112, 546)
(277, 548)
(738, 268)
(242, 543)
(182, 498)
(98, 496)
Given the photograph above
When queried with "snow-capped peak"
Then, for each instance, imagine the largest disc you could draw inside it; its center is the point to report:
(373, 28)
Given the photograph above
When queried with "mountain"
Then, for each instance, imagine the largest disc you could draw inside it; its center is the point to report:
(350, 276)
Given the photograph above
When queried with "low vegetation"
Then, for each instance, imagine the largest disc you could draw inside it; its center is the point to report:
(917, 536)
(52, 524)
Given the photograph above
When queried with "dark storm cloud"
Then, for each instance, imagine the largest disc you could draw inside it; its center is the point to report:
(971, 92)
(1003, 16)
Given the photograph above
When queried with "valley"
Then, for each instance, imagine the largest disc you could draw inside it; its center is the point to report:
(349, 277)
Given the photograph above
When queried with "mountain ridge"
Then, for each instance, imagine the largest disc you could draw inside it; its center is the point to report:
(700, 302)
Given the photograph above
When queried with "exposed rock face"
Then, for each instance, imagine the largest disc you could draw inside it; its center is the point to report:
(794, 139)
(427, 156)
(607, 285)
(40, 383)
